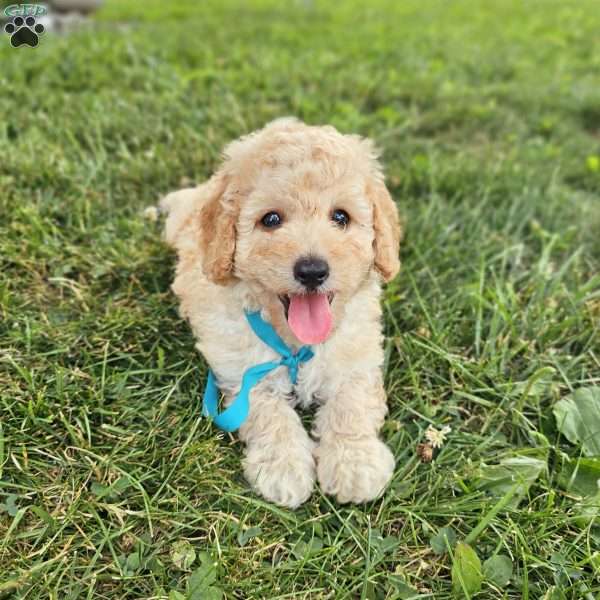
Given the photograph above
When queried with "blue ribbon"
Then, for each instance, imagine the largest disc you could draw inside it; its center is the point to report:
(237, 412)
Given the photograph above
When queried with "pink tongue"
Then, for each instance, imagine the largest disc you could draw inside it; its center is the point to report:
(309, 317)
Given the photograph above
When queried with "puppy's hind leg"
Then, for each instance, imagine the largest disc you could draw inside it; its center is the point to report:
(279, 463)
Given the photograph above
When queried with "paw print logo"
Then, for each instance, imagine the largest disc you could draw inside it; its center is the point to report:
(24, 32)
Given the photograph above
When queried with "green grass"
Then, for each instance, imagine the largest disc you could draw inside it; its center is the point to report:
(488, 114)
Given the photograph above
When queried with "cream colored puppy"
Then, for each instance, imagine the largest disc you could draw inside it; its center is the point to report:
(296, 223)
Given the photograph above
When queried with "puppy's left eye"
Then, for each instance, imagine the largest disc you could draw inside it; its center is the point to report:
(340, 217)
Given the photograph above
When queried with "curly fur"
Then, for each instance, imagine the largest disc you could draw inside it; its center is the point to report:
(228, 262)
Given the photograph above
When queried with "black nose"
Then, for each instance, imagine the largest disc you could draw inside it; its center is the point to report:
(311, 272)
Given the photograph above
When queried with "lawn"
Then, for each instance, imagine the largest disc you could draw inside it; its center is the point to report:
(112, 486)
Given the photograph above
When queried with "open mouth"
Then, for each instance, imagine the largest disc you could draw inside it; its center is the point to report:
(285, 301)
(309, 315)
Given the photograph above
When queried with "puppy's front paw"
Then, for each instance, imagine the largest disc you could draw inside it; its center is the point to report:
(284, 475)
(354, 470)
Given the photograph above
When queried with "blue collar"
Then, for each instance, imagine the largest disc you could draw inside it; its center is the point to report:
(237, 412)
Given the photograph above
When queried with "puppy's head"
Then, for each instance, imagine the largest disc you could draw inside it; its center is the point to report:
(300, 214)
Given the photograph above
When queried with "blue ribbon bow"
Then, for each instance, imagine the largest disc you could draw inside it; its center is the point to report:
(237, 412)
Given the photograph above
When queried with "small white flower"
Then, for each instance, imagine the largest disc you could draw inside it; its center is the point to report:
(437, 437)
(151, 213)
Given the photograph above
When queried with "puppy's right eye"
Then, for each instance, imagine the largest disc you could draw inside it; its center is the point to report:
(272, 219)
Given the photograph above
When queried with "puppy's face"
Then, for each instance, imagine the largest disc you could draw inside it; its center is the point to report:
(308, 243)
(306, 223)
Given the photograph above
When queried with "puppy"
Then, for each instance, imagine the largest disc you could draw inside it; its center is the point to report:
(297, 224)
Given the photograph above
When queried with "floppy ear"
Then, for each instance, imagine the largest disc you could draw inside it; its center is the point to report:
(205, 215)
(388, 233)
(218, 217)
